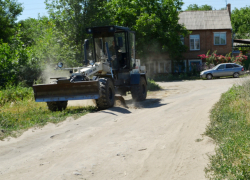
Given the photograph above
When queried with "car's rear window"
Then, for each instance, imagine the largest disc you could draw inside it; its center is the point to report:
(236, 65)
(229, 66)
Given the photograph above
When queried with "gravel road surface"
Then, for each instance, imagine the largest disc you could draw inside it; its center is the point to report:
(158, 139)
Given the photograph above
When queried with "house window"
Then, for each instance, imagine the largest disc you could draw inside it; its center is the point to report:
(182, 39)
(194, 42)
(195, 65)
(220, 38)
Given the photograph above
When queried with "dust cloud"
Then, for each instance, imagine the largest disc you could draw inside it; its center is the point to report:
(52, 72)
(156, 63)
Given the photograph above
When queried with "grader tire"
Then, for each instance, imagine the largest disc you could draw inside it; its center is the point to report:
(57, 105)
(139, 92)
(107, 94)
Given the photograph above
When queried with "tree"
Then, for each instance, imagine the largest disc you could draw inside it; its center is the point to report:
(72, 17)
(15, 62)
(155, 23)
(195, 7)
(240, 19)
(9, 10)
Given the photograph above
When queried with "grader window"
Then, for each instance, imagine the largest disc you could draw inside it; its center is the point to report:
(100, 50)
(122, 50)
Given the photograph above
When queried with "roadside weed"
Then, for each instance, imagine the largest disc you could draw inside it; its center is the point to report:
(230, 129)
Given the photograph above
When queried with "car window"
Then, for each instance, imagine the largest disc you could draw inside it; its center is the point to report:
(221, 67)
(236, 65)
(229, 66)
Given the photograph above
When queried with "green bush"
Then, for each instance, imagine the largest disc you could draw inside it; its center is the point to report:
(16, 63)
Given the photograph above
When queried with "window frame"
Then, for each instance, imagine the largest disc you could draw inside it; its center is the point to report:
(194, 42)
(220, 38)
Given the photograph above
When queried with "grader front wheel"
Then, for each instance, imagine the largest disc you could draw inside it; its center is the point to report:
(107, 94)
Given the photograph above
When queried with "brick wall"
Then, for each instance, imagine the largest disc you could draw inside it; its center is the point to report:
(207, 43)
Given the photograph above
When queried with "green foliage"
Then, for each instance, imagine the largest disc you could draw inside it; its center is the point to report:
(195, 7)
(152, 85)
(14, 58)
(9, 10)
(240, 19)
(16, 63)
(72, 17)
(230, 128)
(48, 44)
(155, 23)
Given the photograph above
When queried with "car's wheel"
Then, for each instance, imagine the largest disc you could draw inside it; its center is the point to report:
(236, 75)
(57, 105)
(209, 76)
(139, 92)
(107, 94)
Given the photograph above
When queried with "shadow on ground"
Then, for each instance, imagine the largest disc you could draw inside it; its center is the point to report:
(148, 103)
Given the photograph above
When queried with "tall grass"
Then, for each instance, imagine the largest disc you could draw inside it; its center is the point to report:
(14, 93)
(230, 128)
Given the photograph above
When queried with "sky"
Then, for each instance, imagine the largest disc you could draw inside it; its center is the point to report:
(33, 7)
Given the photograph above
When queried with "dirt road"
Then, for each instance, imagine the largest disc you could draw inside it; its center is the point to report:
(157, 140)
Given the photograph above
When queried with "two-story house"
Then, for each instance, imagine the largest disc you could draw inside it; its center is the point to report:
(210, 31)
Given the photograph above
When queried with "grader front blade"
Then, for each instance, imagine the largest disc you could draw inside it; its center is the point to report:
(66, 91)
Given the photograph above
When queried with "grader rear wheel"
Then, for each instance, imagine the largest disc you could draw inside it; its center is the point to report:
(139, 92)
(57, 105)
(107, 94)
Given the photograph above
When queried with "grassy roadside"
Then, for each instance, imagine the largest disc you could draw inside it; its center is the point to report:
(230, 129)
(19, 111)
